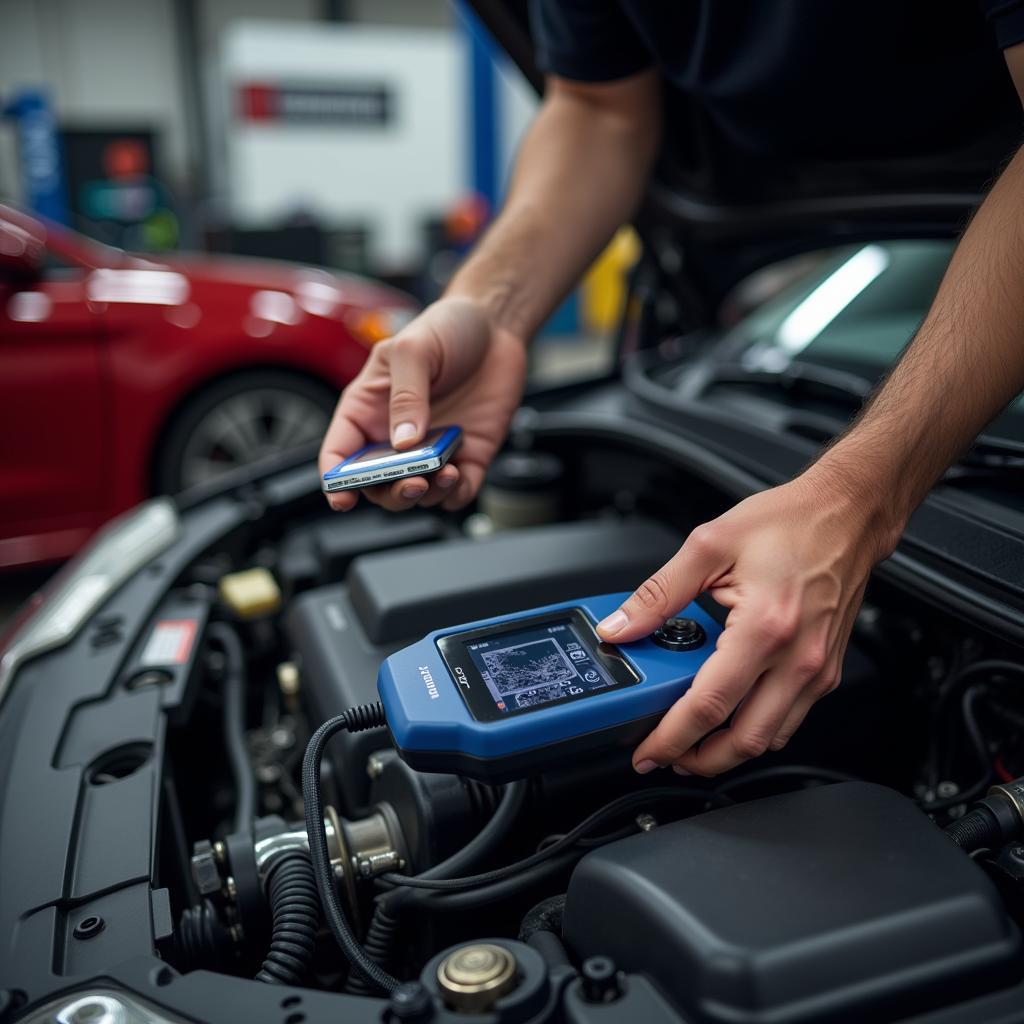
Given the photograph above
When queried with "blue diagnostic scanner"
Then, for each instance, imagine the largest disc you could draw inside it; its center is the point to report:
(508, 697)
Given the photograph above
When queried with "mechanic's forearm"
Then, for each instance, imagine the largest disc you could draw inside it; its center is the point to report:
(965, 364)
(579, 176)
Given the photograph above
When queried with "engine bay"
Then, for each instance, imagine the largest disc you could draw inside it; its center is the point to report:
(818, 883)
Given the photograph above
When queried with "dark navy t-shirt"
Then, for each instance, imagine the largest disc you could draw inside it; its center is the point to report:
(785, 88)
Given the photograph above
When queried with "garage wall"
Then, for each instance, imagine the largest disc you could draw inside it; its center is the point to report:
(109, 61)
(104, 61)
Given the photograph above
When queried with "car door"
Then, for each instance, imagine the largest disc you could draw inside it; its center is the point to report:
(51, 415)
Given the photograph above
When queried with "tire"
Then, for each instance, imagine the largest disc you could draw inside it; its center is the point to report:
(239, 420)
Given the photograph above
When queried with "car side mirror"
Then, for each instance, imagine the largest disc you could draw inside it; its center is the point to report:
(22, 253)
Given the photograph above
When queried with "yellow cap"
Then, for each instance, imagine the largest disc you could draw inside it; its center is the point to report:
(251, 593)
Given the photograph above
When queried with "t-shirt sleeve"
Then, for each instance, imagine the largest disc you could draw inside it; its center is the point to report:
(586, 40)
(1007, 20)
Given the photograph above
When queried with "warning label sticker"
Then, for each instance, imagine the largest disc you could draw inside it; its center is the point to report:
(170, 643)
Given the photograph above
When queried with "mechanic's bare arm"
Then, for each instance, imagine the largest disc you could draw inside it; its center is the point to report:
(791, 563)
(579, 175)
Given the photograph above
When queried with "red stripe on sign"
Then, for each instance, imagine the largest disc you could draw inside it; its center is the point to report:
(258, 102)
(170, 643)
(187, 636)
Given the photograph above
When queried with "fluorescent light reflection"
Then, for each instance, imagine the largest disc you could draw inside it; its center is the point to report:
(830, 298)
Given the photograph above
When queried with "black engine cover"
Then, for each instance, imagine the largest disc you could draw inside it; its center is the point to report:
(841, 903)
(341, 633)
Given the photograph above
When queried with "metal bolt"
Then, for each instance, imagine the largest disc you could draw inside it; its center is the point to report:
(946, 790)
(205, 872)
(377, 863)
(411, 1001)
(230, 888)
(220, 852)
(645, 822)
(375, 766)
(600, 980)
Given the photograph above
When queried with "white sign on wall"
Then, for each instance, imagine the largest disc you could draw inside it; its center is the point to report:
(350, 124)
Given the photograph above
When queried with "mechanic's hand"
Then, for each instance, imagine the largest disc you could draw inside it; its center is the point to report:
(791, 564)
(448, 366)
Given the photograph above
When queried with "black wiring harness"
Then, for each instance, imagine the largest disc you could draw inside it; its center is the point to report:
(358, 719)
(470, 891)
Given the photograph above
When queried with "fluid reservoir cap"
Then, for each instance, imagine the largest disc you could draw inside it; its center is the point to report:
(475, 977)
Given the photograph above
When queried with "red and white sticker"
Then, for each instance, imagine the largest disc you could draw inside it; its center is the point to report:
(170, 643)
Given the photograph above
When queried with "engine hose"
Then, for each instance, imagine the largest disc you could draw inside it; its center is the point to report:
(542, 929)
(201, 940)
(295, 912)
(234, 723)
(546, 916)
(358, 719)
(379, 944)
(991, 823)
(976, 830)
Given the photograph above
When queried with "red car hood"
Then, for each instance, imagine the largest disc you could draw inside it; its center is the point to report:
(312, 284)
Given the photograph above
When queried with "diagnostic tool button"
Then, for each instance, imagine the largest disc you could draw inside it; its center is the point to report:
(679, 635)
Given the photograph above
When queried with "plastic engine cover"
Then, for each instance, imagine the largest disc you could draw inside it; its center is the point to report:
(840, 903)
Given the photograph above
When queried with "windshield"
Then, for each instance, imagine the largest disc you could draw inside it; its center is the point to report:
(853, 313)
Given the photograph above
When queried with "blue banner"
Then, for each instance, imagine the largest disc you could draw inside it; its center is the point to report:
(39, 154)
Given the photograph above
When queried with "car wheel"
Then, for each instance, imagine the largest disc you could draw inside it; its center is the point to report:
(240, 420)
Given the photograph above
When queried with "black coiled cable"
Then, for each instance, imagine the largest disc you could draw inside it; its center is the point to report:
(358, 719)
(295, 912)
(200, 940)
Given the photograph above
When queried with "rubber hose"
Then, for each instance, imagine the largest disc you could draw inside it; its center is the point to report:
(295, 910)
(200, 940)
(546, 916)
(379, 944)
(366, 716)
(542, 929)
(551, 948)
(234, 723)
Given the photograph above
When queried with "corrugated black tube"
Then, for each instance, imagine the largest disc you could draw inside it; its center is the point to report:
(295, 911)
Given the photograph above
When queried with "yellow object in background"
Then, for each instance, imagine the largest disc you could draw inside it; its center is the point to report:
(251, 593)
(603, 289)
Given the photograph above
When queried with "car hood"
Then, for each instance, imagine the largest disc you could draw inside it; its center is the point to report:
(310, 284)
(698, 216)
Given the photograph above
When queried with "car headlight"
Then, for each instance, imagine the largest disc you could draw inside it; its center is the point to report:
(117, 552)
(102, 1006)
(373, 325)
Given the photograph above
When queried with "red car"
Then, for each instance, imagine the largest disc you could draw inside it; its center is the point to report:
(123, 376)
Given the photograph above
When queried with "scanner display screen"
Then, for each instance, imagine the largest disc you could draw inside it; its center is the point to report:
(532, 664)
(537, 666)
